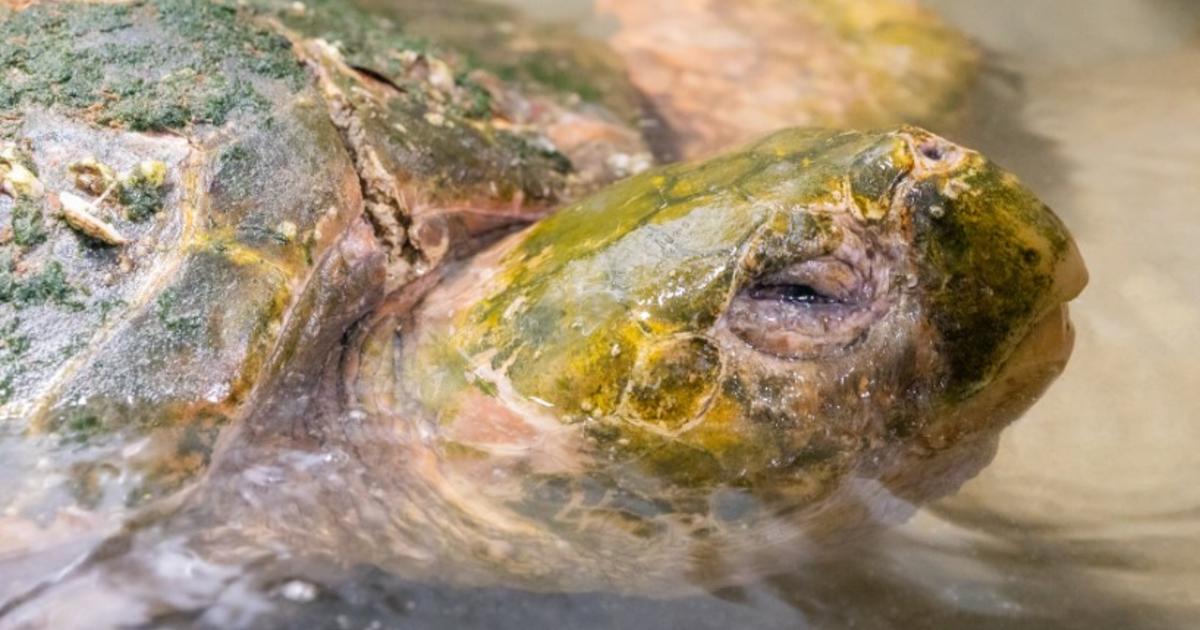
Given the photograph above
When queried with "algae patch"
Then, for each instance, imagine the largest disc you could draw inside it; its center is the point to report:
(142, 191)
(168, 309)
(146, 66)
(48, 286)
(28, 227)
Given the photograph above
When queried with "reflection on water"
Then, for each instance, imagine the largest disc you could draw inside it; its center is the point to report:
(1089, 516)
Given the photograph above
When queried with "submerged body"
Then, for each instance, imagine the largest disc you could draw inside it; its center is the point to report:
(287, 314)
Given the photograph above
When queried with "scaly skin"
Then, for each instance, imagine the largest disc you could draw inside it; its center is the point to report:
(662, 445)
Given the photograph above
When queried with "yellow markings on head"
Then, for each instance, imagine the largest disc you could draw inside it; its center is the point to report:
(720, 430)
(901, 156)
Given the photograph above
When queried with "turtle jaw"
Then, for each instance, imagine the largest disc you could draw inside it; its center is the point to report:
(997, 271)
(991, 259)
(1034, 363)
(1047, 346)
(1070, 273)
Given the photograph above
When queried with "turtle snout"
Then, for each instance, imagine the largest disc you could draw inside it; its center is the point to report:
(994, 262)
(1070, 273)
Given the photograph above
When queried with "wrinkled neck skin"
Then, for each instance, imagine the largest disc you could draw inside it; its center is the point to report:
(588, 406)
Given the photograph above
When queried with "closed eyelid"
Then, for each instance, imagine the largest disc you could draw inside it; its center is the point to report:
(811, 307)
(827, 276)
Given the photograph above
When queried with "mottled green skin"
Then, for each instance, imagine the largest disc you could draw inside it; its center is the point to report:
(609, 314)
(989, 262)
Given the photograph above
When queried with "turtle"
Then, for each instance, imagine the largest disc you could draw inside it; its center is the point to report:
(289, 286)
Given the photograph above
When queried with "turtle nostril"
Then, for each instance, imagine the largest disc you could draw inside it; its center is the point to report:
(934, 154)
(931, 150)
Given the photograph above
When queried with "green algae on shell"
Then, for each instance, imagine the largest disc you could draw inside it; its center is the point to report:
(104, 62)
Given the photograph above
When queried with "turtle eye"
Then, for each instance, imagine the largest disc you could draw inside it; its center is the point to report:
(790, 293)
(807, 309)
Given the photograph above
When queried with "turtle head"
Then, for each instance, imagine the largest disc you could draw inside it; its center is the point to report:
(777, 318)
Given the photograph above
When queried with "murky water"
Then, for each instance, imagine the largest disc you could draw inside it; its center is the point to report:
(1090, 515)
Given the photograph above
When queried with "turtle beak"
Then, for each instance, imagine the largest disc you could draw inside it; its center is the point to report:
(1042, 354)
(1070, 274)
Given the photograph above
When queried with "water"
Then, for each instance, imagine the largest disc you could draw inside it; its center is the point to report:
(1089, 517)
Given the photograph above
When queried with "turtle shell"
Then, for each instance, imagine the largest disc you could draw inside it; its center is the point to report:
(192, 189)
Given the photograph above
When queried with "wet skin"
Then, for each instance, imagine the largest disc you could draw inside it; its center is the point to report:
(777, 323)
